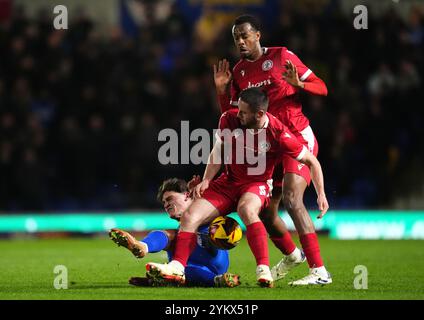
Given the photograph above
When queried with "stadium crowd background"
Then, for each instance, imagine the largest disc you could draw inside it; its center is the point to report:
(80, 112)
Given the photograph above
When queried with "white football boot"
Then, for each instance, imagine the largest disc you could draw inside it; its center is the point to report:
(264, 277)
(316, 276)
(286, 264)
(171, 272)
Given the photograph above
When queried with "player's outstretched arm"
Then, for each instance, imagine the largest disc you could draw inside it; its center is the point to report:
(318, 180)
(222, 77)
(311, 84)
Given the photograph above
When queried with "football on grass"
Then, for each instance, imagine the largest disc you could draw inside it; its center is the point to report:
(225, 233)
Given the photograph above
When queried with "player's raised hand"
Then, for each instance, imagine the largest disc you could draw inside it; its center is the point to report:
(322, 205)
(195, 180)
(200, 188)
(222, 75)
(291, 75)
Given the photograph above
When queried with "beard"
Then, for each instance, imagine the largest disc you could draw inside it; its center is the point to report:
(249, 124)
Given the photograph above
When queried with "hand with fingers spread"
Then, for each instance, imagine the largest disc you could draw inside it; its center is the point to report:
(200, 188)
(291, 75)
(222, 75)
(191, 185)
(322, 205)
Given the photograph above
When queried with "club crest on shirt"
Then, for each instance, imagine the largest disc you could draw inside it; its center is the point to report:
(242, 73)
(264, 146)
(267, 65)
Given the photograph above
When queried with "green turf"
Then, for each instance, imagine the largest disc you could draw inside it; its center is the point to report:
(98, 269)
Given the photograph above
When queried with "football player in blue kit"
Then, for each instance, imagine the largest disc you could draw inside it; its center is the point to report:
(207, 265)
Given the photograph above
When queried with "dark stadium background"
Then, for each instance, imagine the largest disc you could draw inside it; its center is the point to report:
(80, 109)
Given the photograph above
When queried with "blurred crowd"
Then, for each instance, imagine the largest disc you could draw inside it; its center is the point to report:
(80, 111)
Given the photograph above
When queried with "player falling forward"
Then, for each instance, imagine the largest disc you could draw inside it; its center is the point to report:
(238, 189)
(281, 74)
(207, 266)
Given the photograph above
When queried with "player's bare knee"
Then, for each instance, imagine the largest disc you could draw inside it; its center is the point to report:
(292, 200)
(248, 214)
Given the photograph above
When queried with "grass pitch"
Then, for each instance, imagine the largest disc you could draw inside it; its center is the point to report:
(98, 269)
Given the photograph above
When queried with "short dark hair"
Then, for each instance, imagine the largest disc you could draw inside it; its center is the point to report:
(256, 98)
(173, 184)
(246, 18)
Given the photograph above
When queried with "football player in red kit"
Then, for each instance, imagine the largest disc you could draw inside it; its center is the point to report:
(281, 74)
(251, 132)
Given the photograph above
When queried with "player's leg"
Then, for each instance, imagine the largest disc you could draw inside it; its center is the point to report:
(218, 264)
(275, 226)
(141, 281)
(277, 229)
(281, 237)
(125, 239)
(198, 275)
(150, 282)
(248, 208)
(200, 211)
(293, 191)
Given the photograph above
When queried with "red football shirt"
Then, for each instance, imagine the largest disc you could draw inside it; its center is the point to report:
(265, 146)
(267, 72)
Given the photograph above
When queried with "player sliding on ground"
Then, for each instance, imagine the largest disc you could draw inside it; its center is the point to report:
(243, 187)
(207, 266)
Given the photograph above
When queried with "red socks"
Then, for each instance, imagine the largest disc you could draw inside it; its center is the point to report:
(185, 245)
(257, 238)
(310, 247)
(284, 243)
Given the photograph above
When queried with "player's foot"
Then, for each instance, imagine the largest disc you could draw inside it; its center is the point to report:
(141, 282)
(172, 272)
(124, 239)
(264, 277)
(228, 280)
(286, 264)
(314, 278)
(150, 282)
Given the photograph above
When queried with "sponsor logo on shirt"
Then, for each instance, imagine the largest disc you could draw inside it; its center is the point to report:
(259, 84)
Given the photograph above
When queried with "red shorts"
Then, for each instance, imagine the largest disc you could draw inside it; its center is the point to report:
(224, 194)
(290, 165)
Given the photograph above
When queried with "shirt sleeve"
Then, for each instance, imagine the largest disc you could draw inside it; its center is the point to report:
(291, 146)
(235, 91)
(303, 71)
(222, 124)
(224, 102)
